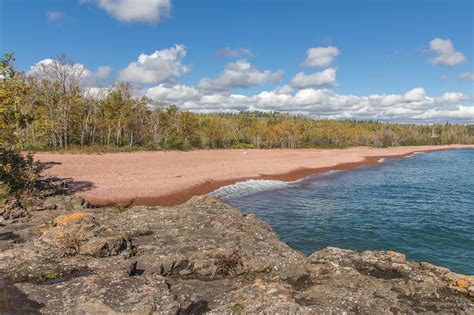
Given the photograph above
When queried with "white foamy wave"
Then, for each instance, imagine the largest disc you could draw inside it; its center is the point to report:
(249, 187)
(418, 152)
(381, 160)
(328, 173)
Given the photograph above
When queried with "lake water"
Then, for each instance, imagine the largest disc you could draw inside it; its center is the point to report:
(422, 206)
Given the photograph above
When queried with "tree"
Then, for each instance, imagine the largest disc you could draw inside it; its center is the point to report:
(59, 89)
(17, 172)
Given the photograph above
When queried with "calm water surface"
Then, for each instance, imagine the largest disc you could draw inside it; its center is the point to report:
(422, 206)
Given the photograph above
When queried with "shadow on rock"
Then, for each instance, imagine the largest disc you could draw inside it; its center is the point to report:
(13, 301)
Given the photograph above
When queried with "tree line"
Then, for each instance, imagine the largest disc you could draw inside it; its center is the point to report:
(59, 113)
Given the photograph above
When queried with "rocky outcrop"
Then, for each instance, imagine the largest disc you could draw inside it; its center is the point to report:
(204, 256)
(46, 194)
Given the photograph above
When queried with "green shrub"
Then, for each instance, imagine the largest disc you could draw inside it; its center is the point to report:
(17, 172)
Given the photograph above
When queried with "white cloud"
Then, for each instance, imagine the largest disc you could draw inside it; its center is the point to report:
(414, 95)
(173, 93)
(234, 53)
(445, 54)
(103, 72)
(285, 89)
(412, 106)
(325, 77)
(466, 76)
(55, 16)
(320, 57)
(151, 11)
(463, 113)
(160, 66)
(240, 74)
(49, 68)
(97, 92)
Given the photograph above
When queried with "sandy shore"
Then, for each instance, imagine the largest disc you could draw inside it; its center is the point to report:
(170, 178)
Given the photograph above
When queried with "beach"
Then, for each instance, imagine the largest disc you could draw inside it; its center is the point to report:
(168, 178)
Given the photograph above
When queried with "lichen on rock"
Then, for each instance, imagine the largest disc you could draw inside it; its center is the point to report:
(204, 256)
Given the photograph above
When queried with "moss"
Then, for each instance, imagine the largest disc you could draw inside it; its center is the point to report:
(49, 277)
(238, 308)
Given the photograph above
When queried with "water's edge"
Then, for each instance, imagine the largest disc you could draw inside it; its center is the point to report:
(251, 191)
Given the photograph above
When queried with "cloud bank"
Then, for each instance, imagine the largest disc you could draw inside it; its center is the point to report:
(412, 106)
(157, 75)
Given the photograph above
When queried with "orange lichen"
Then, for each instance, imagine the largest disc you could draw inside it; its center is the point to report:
(258, 282)
(65, 219)
(462, 284)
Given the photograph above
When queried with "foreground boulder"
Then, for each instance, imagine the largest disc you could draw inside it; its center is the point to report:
(45, 194)
(203, 256)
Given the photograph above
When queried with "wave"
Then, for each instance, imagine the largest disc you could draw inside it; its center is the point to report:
(250, 187)
(329, 172)
(381, 160)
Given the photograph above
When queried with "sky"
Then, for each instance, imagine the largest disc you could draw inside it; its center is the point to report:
(403, 61)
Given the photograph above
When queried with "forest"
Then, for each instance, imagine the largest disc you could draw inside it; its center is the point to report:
(54, 111)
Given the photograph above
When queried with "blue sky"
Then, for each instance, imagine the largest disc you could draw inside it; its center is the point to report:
(383, 48)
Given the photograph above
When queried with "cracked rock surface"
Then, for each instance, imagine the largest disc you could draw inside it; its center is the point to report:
(203, 257)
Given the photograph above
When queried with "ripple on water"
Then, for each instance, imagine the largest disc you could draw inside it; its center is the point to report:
(422, 206)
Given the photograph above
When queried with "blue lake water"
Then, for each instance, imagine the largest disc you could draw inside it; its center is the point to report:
(422, 206)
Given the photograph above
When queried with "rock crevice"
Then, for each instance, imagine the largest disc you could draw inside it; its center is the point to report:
(203, 256)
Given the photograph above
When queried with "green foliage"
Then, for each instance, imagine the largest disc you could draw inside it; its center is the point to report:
(17, 171)
(49, 277)
(53, 112)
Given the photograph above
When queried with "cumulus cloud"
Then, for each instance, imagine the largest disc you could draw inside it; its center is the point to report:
(240, 74)
(103, 72)
(54, 16)
(234, 53)
(303, 95)
(466, 76)
(49, 69)
(445, 54)
(150, 11)
(412, 106)
(414, 95)
(463, 113)
(325, 77)
(158, 67)
(173, 93)
(320, 56)
(285, 89)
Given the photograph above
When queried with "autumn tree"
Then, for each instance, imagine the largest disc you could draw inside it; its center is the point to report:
(17, 172)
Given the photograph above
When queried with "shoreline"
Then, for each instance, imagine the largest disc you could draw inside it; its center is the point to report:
(330, 159)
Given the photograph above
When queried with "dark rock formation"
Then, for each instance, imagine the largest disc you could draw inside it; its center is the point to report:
(203, 256)
(47, 194)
